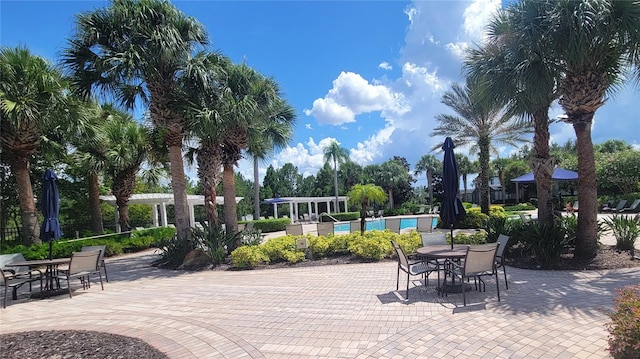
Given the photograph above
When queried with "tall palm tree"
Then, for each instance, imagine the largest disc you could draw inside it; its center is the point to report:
(265, 136)
(127, 146)
(32, 103)
(479, 125)
(465, 167)
(336, 154)
(430, 165)
(596, 44)
(500, 165)
(514, 70)
(137, 50)
(365, 194)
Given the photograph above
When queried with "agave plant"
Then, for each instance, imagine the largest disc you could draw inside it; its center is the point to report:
(215, 241)
(626, 229)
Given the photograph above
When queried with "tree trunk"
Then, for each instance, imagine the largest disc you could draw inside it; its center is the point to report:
(230, 211)
(122, 204)
(28, 214)
(335, 183)
(390, 192)
(94, 204)
(503, 186)
(430, 184)
(179, 186)
(541, 163)
(363, 219)
(483, 176)
(464, 182)
(256, 189)
(586, 234)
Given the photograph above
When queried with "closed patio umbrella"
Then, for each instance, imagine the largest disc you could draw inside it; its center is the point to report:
(452, 210)
(50, 230)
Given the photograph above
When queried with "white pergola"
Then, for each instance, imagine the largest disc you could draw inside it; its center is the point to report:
(161, 200)
(311, 210)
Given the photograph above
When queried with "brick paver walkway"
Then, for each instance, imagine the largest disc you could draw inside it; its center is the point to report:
(337, 311)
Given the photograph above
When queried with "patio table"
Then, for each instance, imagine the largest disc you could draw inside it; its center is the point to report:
(52, 268)
(444, 251)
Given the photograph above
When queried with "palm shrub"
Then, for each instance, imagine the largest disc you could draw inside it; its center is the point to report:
(626, 229)
(174, 250)
(494, 226)
(215, 241)
(547, 240)
(624, 329)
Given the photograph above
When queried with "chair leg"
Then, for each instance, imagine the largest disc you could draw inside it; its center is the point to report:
(464, 296)
(69, 285)
(398, 279)
(408, 277)
(506, 282)
(101, 284)
(497, 285)
(106, 276)
(6, 297)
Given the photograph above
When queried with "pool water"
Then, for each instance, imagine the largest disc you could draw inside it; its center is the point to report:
(378, 224)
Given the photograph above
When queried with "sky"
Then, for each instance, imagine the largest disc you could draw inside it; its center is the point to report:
(368, 74)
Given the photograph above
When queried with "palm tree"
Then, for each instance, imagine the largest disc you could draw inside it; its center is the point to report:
(478, 124)
(500, 165)
(391, 174)
(138, 50)
(337, 154)
(364, 194)
(465, 167)
(513, 69)
(127, 146)
(430, 165)
(32, 103)
(265, 136)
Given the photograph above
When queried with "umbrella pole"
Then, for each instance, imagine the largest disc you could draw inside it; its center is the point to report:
(451, 235)
(50, 249)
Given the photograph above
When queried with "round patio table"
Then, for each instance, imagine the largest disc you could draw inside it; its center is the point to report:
(444, 251)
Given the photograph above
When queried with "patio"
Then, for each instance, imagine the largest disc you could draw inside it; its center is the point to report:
(347, 311)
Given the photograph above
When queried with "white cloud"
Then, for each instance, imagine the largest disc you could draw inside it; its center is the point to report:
(308, 126)
(369, 151)
(477, 15)
(328, 112)
(458, 49)
(385, 66)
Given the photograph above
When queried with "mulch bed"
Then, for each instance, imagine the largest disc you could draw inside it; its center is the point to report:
(607, 258)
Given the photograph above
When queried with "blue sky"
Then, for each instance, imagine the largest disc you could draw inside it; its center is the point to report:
(369, 74)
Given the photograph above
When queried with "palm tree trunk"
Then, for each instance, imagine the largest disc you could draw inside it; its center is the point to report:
(123, 214)
(28, 215)
(464, 181)
(586, 233)
(543, 176)
(335, 183)
(363, 219)
(179, 186)
(390, 192)
(94, 204)
(503, 186)
(229, 193)
(256, 189)
(483, 176)
(209, 173)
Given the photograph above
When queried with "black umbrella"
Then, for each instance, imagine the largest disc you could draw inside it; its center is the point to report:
(452, 210)
(50, 230)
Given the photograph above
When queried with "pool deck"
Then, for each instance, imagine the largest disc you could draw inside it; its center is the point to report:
(334, 311)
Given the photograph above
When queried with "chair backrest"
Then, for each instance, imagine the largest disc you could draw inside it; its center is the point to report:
(634, 204)
(435, 210)
(294, 229)
(241, 227)
(576, 205)
(392, 224)
(84, 262)
(102, 249)
(503, 239)
(621, 204)
(3, 279)
(6, 259)
(354, 226)
(325, 228)
(403, 262)
(480, 259)
(425, 224)
(432, 239)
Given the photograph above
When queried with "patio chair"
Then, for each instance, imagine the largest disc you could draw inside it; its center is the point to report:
(412, 267)
(392, 224)
(101, 263)
(354, 226)
(294, 229)
(325, 228)
(503, 239)
(432, 239)
(435, 210)
(380, 213)
(82, 266)
(18, 272)
(425, 224)
(14, 283)
(478, 262)
(617, 208)
(633, 208)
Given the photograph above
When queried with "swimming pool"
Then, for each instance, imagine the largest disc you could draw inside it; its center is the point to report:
(378, 224)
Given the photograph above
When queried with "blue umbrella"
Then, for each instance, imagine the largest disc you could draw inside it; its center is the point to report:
(50, 230)
(452, 210)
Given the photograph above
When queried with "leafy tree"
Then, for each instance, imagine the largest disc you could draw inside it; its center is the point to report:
(479, 125)
(620, 170)
(364, 194)
(612, 146)
(350, 173)
(465, 168)
(500, 165)
(514, 169)
(430, 165)
(32, 104)
(138, 50)
(393, 175)
(336, 154)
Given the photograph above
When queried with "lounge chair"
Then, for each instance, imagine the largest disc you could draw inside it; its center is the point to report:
(421, 210)
(478, 262)
(294, 229)
(354, 226)
(418, 267)
(633, 208)
(392, 224)
(435, 210)
(617, 208)
(325, 228)
(425, 224)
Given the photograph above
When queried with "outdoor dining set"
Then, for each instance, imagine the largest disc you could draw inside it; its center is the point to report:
(16, 272)
(456, 262)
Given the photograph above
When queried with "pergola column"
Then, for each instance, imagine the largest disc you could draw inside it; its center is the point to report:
(163, 214)
(154, 215)
(192, 215)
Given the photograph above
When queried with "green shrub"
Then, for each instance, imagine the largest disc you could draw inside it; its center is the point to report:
(473, 219)
(519, 207)
(371, 246)
(282, 249)
(341, 217)
(271, 225)
(319, 245)
(248, 257)
(547, 240)
(626, 229)
(340, 244)
(494, 226)
(624, 329)
(215, 241)
(480, 237)
(173, 251)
